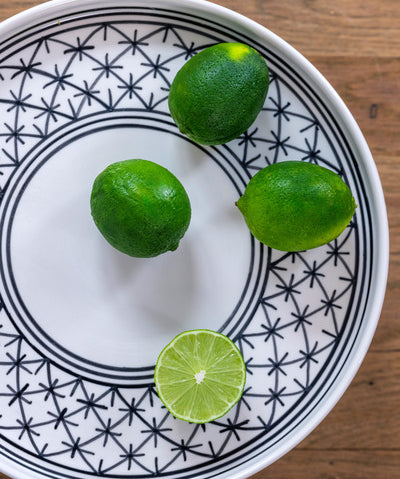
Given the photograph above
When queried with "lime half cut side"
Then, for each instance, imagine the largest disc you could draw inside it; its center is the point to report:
(200, 375)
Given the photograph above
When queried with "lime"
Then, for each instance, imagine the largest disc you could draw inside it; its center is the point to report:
(140, 208)
(219, 92)
(295, 206)
(200, 375)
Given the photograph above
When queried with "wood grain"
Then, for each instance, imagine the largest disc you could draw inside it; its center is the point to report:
(334, 464)
(353, 28)
(356, 45)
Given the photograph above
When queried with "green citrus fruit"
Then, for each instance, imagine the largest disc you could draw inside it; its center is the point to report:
(295, 206)
(219, 92)
(200, 375)
(140, 208)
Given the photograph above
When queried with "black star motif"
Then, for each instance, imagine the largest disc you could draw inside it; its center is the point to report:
(75, 447)
(330, 303)
(279, 143)
(130, 456)
(276, 365)
(17, 394)
(156, 429)
(87, 92)
(156, 67)
(313, 273)
(79, 49)
(132, 409)
(233, 427)
(248, 137)
(190, 50)
(130, 87)
(50, 389)
(49, 110)
(26, 426)
(58, 79)
(308, 355)
(18, 102)
(134, 43)
(91, 405)
(61, 418)
(107, 67)
(280, 110)
(107, 431)
(16, 363)
(27, 69)
(14, 134)
(312, 152)
(184, 448)
(288, 288)
(271, 330)
(335, 251)
(301, 318)
(275, 396)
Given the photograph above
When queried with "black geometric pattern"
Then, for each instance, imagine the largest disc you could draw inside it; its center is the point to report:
(56, 420)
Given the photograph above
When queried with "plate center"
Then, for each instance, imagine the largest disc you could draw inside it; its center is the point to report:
(97, 305)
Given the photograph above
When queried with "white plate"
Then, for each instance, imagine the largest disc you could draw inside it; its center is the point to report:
(84, 84)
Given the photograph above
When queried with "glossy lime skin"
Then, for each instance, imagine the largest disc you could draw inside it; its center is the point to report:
(295, 206)
(219, 92)
(140, 208)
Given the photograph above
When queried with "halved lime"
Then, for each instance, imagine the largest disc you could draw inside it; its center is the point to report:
(200, 375)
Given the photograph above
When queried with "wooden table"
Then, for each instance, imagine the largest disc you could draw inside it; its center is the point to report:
(356, 45)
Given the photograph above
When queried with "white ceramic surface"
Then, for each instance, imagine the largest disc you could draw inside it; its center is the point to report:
(85, 84)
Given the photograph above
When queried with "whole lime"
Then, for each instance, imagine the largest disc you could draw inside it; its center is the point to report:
(295, 206)
(140, 208)
(219, 92)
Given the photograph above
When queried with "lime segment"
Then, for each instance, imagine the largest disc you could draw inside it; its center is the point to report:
(200, 375)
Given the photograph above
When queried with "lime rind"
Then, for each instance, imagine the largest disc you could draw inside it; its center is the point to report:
(215, 397)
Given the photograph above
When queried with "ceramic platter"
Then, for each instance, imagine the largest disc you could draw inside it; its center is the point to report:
(84, 84)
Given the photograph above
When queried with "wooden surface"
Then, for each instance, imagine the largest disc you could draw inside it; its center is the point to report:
(356, 45)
